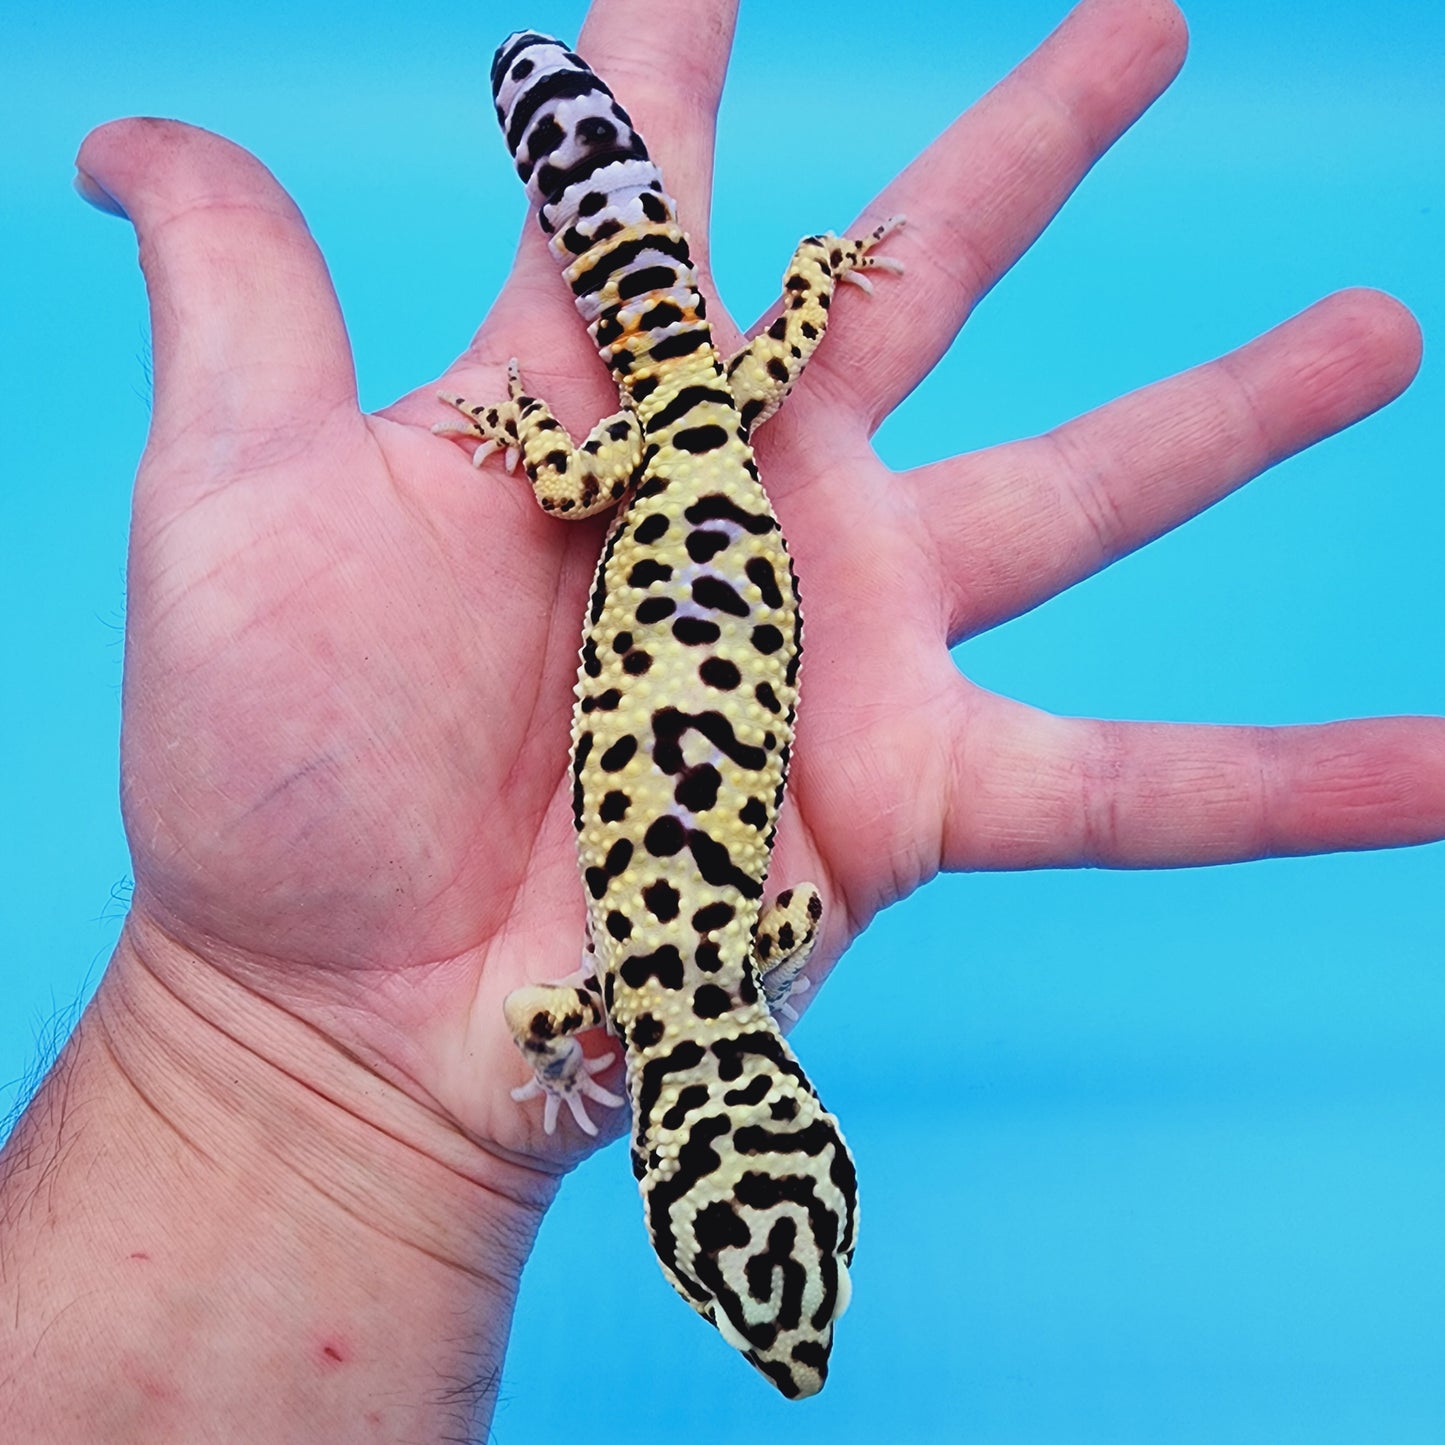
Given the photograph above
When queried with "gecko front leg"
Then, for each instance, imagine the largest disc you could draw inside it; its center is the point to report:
(545, 1020)
(786, 935)
(570, 480)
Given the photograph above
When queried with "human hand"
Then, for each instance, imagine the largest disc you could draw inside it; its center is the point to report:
(351, 658)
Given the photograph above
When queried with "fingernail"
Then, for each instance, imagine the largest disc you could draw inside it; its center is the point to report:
(90, 190)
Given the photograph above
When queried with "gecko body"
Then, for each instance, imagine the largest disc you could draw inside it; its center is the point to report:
(683, 723)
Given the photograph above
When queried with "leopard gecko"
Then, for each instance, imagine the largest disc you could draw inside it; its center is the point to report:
(681, 732)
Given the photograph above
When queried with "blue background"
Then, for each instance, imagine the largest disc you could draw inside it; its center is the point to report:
(1176, 1172)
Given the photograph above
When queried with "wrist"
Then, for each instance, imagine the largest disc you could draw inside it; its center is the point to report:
(209, 1193)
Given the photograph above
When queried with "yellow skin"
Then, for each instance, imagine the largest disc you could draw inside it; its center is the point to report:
(349, 668)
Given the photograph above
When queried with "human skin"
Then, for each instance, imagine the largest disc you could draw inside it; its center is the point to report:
(275, 1188)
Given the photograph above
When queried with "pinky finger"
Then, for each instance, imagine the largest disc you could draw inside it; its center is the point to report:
(1038, 791)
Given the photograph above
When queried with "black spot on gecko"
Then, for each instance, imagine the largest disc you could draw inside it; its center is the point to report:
(662, 900)
(719, 596)
(654, 609)
(708, 957)
(686, 399)
(696, 631)
(546, 136)
(659, 316)
(619, 754)
(754, 813)
(645, 279)
(761, 575)
(649, 529)
(664, 964)
(636, 663)
(646, 1032)
(811, 1140)
(579, 758)
(703, 546)
(716, 1227)
(713, 916)
(767, 639)
(711, 1002)
(769, 699)
(619, 925)
(613, 808)
(595, 131)
(698, 439)
(681, 343)
(606, 329)
(688, 1099)
(664, 836)
(652, 207)
(603, 702)
(718, 672)
(697, 789)
(715, 507)
(753, 1092)
(646, 572)
(715, 864)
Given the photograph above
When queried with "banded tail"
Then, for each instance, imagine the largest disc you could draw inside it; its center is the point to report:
(599, 197)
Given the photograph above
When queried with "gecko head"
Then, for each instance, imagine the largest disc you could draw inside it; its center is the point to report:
(794, 1358)
(771, 1252)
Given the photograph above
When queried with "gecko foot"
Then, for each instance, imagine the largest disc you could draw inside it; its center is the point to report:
(556, 1093)
(493, 426)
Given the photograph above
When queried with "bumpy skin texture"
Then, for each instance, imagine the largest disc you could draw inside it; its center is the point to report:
(684, 719)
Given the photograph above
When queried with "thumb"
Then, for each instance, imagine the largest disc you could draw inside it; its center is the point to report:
(246, 331)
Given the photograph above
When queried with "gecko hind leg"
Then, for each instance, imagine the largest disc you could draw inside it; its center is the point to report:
(545, 1020)
(568, 480)
(786, 935)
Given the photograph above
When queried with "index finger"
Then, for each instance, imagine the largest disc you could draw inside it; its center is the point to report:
(980, 195)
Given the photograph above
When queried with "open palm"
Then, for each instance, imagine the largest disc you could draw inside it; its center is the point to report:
(350, 660)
